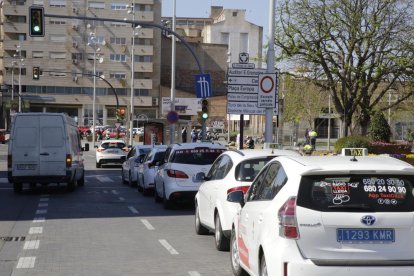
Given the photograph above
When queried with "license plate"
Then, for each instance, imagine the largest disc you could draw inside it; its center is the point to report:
(26, 166)
(112, 151)
(356, 235)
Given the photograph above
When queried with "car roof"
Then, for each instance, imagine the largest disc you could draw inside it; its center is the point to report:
(113, 141)
(198, 145)
(149, 146)
(252, 153)
(313, 165)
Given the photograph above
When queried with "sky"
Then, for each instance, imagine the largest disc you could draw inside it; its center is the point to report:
(257, 11)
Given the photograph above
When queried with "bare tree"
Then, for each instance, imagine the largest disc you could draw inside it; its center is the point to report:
(356, 49)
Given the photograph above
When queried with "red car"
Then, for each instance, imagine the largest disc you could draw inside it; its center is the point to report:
(113, 131)
(84, 129)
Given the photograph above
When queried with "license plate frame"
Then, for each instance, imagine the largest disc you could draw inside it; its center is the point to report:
(26, 167)
(365, 235)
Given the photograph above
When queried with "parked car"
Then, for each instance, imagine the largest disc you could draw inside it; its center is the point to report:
(84, 130)
(148, 168)
(113, 132)
(134, 158)
(111, 152)
(175, 178)
(233, 170)
(326, 215)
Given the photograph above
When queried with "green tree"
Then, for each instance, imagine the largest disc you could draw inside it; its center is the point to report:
(356, 49)
(379, 130)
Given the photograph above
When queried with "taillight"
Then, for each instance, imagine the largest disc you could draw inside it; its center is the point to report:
(68, 160)
(9, 161)
(287, 219)
(244, 189)
(176, 174)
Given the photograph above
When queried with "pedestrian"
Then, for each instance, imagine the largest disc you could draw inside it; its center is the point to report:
(250, 142)
(184, 135)
(313, 135)
(307, 139)
(194, 135)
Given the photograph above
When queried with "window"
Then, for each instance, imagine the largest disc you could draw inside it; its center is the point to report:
(96, 5)
(138, 58)
(248, 169)
(118, 76)
(223, 168)
(225, 38)
(77, 56)
(117, 57)
(37, 54)
(118, 40)
(118, 6)
(234, 14)
(197, 156)
(57, 3)
(261, 188)
(57, 38)
(90, 73)
(211, 175)
(57, 22)
(244, 42)
(38, 2)
(57, 72)
(57, 55)
(97, 40)
(118, 24)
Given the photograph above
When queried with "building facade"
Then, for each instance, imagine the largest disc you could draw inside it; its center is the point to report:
(72, 50)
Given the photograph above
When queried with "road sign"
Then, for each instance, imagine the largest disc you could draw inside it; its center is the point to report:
(243, 65)
(250, 80)
(250, 108)
(117, 125)
(172, 117)
(267, 90)
(203, 86)
(244, 57)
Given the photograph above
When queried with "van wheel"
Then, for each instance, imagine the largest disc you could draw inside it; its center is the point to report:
(17, 187)
(71, 185)
(81, 181)
(98, 165)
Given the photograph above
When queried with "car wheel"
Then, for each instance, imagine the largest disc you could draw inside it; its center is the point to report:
(199, 228)
(234, 256)
(168, 204)
(17, 187)
(81, 181)
(157, 198)
(132, 183)
(123, 178)
(222, 242)
(98, 165)
(263, 266)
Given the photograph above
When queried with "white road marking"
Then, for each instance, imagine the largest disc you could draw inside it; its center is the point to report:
(194, 273)
(41, 211)
(26, 262)
(38, 219)
(114, 192)
(147, 224)
(44, 199)
(121, 198)
(168, 247)
(104, 179)
(133, 210)
(43, 204)
(36, 230)
(31, 244)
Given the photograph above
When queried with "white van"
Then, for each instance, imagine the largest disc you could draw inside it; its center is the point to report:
(45, 148)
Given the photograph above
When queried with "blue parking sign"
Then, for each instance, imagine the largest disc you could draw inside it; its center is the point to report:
(203, 86)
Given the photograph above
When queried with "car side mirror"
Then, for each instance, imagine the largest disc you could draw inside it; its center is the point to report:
(236, 196)
(86, 147)
(200, 176)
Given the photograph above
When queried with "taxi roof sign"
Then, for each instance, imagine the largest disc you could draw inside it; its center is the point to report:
(354, 152)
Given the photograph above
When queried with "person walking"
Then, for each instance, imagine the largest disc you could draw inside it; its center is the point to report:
(194, 135)
(312, 136)
(307, 138)
(184, 135)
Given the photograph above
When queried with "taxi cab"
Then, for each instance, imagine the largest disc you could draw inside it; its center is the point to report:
(326, 215)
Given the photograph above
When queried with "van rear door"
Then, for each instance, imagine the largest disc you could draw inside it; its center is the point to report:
(52, 146)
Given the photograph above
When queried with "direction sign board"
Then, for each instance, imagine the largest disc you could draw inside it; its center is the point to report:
(249, 108)
(203, 86)
(267, 90)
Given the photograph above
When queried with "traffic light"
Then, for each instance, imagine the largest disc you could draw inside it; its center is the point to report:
(36, 73)
(204, 109)
(36, 21)
(122, 113)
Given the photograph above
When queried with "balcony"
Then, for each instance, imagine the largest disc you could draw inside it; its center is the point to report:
(144, 50)
(15, 27)
(143, 84)
(147, 16)
(144, 67)
(15, 10)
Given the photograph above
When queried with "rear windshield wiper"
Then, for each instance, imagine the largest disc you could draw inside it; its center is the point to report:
(351, 206)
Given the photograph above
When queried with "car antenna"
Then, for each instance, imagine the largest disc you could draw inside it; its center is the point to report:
(354, 159)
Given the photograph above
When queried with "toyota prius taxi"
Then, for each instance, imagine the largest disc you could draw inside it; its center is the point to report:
(337, 215)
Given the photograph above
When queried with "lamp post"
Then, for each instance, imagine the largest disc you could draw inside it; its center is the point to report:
(21, 60)
(172, 96)
(93, 43)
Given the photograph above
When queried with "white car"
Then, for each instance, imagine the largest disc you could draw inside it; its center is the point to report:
(175, 178)
(326, 215)
(148, 168)
(233, 170)
(111, 152)
(134, 158)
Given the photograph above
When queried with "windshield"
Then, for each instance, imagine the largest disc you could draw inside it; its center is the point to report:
(197, 156)
(376, 193)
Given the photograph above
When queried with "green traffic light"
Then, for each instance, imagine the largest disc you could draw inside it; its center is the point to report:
(36, 28)
(204, 116)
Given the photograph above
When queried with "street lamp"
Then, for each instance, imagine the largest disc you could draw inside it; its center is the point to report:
(93, 42)
(172, 97)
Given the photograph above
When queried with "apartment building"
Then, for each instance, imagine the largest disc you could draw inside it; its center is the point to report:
(72, 50)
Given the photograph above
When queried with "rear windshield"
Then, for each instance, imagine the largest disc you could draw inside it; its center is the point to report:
(198, 156)
(144, 151)
(248, 169)
(159, 156)
(357, 193)
(113, 145)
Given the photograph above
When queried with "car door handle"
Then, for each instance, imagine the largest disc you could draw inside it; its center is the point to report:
(44, 153)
